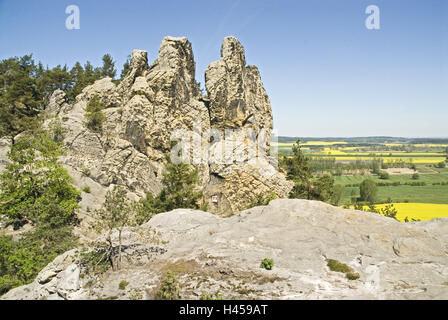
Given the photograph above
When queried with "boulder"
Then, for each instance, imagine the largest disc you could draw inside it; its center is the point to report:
(211, 255)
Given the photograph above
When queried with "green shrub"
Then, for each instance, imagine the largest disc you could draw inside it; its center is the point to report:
(35, 186)
(337, 266)
(180, 191)
(123, 284)
(441, 165)
(352, 275)
(96, 261)
(262, 199)
(169, 288)
(210, 297)
(415, 176)
(267, 264)
(384, 175)
(21, 260)
(57, 131)
(86, 189)
(86, 172)
(94, 115)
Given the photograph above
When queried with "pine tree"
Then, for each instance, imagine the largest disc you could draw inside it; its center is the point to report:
(108, 69)
(180, 191)
(126, 68)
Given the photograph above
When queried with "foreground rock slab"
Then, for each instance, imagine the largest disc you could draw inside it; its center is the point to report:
(214, 255)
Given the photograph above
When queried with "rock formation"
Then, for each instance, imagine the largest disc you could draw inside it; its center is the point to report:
(210, 254)
(236, 93)
(151, 103)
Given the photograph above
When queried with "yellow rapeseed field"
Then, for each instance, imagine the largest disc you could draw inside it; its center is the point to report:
(420, 211)
(430, 145)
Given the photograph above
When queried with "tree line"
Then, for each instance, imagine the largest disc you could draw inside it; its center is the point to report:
(25, 87)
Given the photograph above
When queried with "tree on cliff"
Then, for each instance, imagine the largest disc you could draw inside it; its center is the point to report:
(117, 212)
(108, 68)
(180, 191)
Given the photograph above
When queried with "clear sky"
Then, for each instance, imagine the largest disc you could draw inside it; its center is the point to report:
(325, 73)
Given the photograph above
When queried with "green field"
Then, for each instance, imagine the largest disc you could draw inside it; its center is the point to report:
(350, 162)
(428, 178)
(424, 194)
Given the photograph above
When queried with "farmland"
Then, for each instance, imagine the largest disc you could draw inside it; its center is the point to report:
(414, 176)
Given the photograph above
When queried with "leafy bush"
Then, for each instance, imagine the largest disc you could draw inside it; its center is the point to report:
(415, 176)
(337, 194)
(267, 264)
(389, 211)
(57, 131)
(21, 260)
(306, 186)
(169, 288)
(86, 189)
(383, 175)
(35, 186)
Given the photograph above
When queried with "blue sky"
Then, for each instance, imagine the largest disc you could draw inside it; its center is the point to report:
(325, 73)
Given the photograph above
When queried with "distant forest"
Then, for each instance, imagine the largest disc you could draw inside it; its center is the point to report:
(366, 140)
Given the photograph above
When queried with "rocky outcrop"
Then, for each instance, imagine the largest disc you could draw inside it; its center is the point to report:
(210, 254)
(57, 102)
(236, 93)
(157, 103)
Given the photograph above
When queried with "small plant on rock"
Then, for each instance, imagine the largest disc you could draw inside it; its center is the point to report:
(337, 266)
(267, 264)
(123, 284)
(169, 288)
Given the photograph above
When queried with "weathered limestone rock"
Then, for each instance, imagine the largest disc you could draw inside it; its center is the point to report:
(57, 102)
(238, 100)
(153, 105)
(236, 93)
(137, 68)
(176, 103)
(212, 254)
